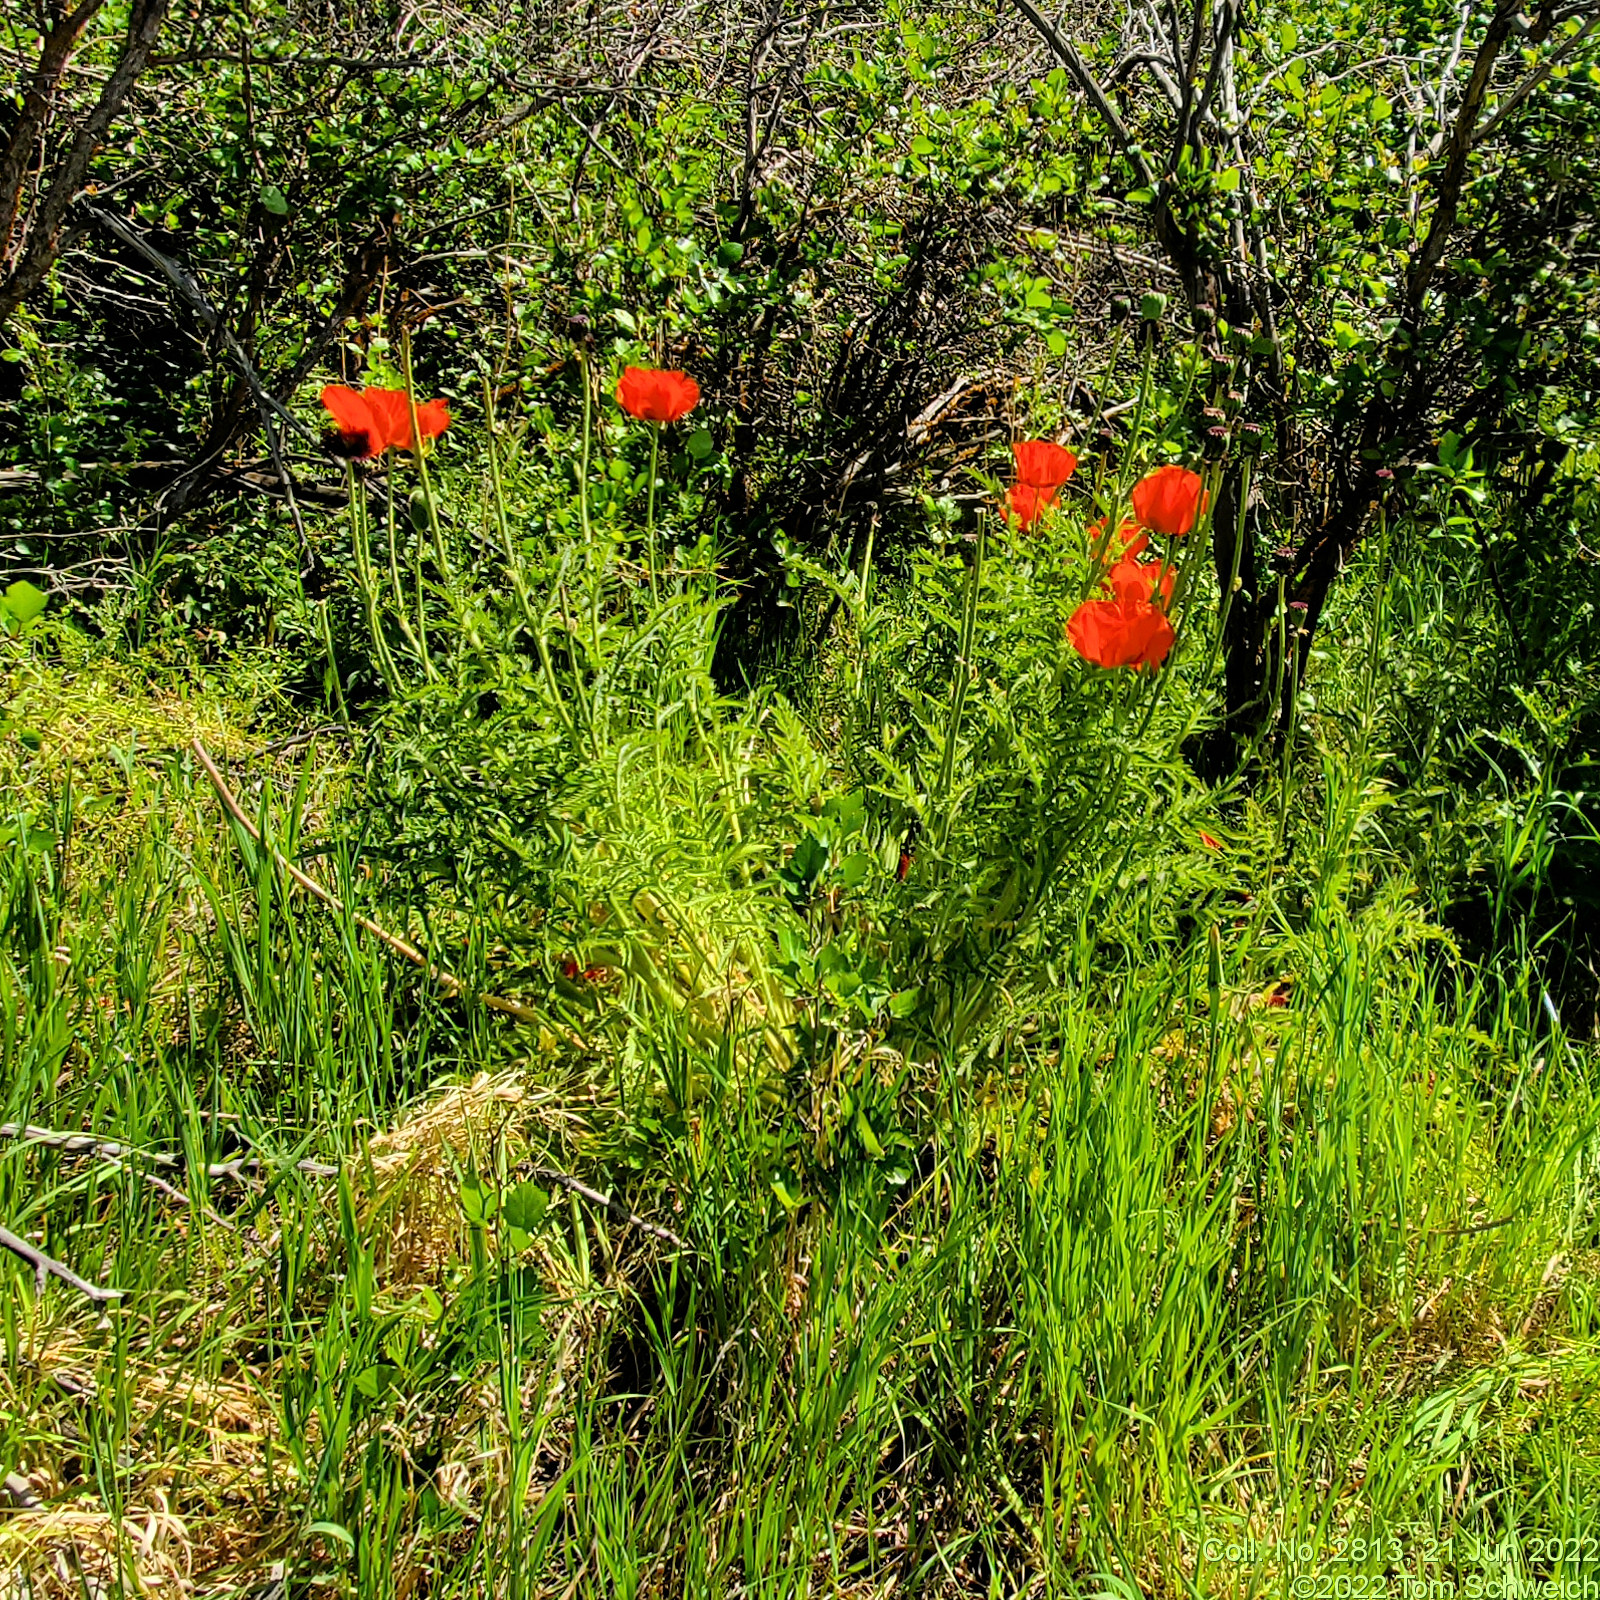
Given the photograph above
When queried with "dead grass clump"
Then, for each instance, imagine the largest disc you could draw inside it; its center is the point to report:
(71, 1552)
(413, 1213)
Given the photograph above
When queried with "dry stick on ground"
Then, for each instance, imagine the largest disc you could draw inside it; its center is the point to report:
(446, 980)
(241, 1169)
(611, 1205)
(48, 1267)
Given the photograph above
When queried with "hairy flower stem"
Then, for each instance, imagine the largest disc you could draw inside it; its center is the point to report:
(1120, 493)
(583, 459)
(943, 803)
(536, 625)
(418, 649)
(598, 578)
(650, 511)
(325, 629)
(367, 579)
(502, 526)
(420, 454)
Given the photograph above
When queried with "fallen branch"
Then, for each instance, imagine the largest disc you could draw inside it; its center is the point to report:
(48, 1267)
(447, 980)
(19, 1492)
(242, 1169)
(612, 1206)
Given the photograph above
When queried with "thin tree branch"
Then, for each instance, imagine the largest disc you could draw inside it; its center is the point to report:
(612, 1206)
(447, 981)
(1487, 127)
(1087, 82)
(43, 240)
(1447, 190)
(242, 1168)
(48, 1267)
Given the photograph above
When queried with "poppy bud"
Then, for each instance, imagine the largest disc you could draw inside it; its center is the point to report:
(1153, 307)
(1282, 561)
(1216, 444)
(1120, 309)
(1250, 435)
(1204, 319)
(1215, 413)
(578, 329)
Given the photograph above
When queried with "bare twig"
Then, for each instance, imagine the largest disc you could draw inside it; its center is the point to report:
(241, 1169)
(48, 1267)
(1533, 80)
(611, 1205)
(1087, 82)
(447, 980)
(271, 410)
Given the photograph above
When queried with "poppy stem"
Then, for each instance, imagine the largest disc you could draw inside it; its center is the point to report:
(583, 458)
(419, 649)
(513, 562)
(650, 510)
(367, 579)
(958, 698)
(422, 467)
(325, 628)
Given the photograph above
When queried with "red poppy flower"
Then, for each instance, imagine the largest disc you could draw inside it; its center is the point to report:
(654, 396)
(392, 410)
(1025, 504)
(369, 421)
(1043, 464)
(1121, 633)
(356, 434)
(1142, 582)
(1168, 500)
(1135, 541)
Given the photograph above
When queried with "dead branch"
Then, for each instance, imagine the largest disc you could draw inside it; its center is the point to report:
(611, 1205)
(48, 1267)
(447, 980)
(241, 1169)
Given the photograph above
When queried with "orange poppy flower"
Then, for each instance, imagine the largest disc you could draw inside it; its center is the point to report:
(369, 421)
(1168, 500)
(1025, 503)
(654, 396)
(1121, 633)
(1208, 841)
(1043, 464)
(356, 434)
(1142, 582)
(1135, 541)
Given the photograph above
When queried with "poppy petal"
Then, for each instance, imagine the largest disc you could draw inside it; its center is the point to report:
(1042, 463)
(1168, 500)
(357, 434)
(657, 396)
(1025, 504)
